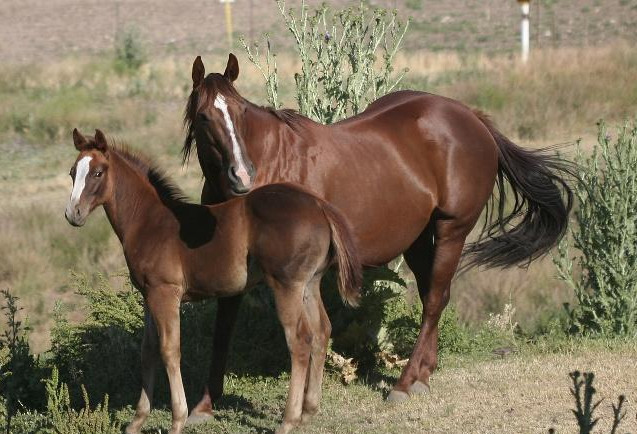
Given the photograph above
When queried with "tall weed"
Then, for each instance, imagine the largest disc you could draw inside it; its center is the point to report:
(603, 269)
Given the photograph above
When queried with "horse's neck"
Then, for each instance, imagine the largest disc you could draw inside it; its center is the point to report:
(132, 199)
(266, 137)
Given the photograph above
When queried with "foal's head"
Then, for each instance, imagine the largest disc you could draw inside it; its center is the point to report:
(214, 119)
(91, 183)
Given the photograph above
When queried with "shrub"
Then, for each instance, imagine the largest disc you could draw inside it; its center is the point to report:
(605, 237)
(339, 53)
(129, 51)
(20, 370)
(61, 418)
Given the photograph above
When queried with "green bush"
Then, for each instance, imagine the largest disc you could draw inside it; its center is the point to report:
(603, 269)
(339, 53)
(129, 51)
(61, 418)
(20, 371)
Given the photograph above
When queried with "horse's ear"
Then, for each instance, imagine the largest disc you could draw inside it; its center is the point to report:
(79, 140)
(100, 141)
(232, 68)
(198, 72)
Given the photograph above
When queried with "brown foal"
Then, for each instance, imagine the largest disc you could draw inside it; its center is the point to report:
(178, 251)
(412, 174)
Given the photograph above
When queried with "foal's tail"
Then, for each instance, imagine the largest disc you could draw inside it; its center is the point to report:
(542, 200)
(350, 270)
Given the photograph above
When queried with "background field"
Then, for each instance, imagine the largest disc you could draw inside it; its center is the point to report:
(58, 72)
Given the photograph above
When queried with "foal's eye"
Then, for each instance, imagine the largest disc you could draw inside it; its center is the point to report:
(98, 174)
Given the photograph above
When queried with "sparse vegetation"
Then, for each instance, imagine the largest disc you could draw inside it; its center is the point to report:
(603, 269)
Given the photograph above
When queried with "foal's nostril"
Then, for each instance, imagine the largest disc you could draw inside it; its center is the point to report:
(77, 212)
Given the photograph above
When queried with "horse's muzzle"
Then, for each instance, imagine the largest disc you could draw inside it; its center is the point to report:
(240, 184)
(74, 216)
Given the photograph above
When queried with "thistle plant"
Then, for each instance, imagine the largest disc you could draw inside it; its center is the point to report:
(603, 269)
(346, 59)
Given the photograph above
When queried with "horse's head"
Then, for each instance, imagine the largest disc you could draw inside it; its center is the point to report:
(214, 119)
(91, 184)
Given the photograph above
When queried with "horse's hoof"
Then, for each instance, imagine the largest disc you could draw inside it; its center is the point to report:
(397, 396)
(198, 417)
(418, 388)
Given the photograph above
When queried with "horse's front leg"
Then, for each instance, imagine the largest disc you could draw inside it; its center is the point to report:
(150, 357)
(163, 303)
(227, 310)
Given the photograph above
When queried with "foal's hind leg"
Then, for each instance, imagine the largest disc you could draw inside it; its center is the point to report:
(321, 330)
(150, 358)
(448, 243)
(289, 306)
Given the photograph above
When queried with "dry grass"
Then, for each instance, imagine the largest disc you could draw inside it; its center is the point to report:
(521, 394)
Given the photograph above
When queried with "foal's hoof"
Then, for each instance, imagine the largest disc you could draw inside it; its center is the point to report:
(418, 388)
(285, 428)
(198, 417)
(397, 396)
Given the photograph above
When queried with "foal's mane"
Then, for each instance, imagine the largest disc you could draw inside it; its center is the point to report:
(205, 94)
(165, 187)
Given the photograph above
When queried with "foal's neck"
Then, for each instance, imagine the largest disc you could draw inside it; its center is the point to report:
(133, 200)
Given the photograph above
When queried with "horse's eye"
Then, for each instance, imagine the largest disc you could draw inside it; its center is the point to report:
(98, 174)
(203, 117)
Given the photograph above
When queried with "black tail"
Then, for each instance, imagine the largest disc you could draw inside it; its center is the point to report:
(542, 201)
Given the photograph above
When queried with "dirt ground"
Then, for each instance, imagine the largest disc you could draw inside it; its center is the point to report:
(33, 30)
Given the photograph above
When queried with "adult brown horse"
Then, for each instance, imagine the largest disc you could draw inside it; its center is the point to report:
(179, 251)
(412, 174)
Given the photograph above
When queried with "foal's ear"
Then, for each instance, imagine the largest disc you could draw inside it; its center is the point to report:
(100, 141)
(79, 140)
(198, 72)
(232, 68)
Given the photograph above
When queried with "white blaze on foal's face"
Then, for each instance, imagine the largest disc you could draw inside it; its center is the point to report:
(81, 173)
(242, 171)
(82, 169)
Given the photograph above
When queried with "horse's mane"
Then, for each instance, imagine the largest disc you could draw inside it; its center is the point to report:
(291, 117)
(165, 187)
(204, 96)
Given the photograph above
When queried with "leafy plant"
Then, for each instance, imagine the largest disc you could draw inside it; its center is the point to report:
(19, 370)
(346, 59)
(605, 280)
(61, 418)
(129, 51)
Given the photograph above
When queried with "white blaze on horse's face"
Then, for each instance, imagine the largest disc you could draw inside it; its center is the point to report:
(81, 172)
(242, 171)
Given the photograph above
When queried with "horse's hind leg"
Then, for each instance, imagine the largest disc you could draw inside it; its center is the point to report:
(321, 330)
(298, 334)
(434, 282)
(227, 311)
(150, 357)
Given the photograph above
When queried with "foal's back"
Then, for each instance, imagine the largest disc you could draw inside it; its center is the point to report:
(278, 230)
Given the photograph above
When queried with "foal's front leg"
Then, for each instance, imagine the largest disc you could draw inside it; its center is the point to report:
(163, 302)
(150, 357)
